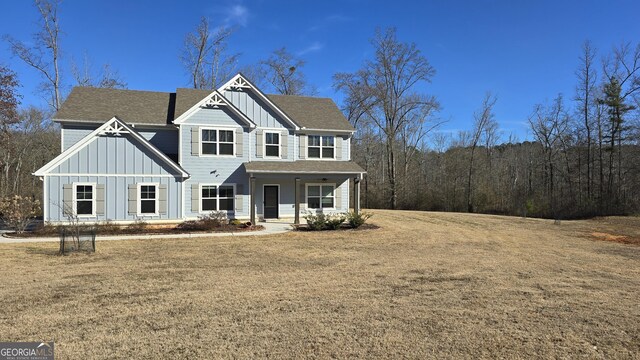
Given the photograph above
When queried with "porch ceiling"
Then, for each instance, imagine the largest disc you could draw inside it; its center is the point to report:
(303, 167)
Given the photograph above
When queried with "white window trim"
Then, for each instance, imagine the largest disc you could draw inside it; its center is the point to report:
(306, 194)
(157, 200)
(218, 129)
(93, 199)
(264, 144)
(321, 147)
(217, 198)
(264, 199)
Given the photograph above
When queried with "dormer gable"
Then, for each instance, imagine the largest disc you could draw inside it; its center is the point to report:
(255, 104)
(214, 100)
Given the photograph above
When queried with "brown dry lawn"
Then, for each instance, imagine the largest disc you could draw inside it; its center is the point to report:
(425, 285)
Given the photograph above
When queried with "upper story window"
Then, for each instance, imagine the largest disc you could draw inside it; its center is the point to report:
(85, 200)
(272, 144)
(217, 142)
(321, 147)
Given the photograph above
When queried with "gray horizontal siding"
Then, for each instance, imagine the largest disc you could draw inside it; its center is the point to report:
(213, 169)
(291, 149)
(71, 134)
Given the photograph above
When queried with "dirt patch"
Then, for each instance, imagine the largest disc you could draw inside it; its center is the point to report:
(616, 238)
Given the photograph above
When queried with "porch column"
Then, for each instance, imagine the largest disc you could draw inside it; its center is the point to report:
(252, 196)
(296, 192)
(356, 195)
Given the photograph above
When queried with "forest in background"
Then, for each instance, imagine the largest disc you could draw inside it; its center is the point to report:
(582, 160)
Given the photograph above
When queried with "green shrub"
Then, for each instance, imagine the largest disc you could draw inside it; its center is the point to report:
(322, 221)
(356, 220)
(334, 221)
(235, 222)
(316, 221)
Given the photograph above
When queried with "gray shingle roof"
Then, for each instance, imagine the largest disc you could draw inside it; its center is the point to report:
(186, 98)
(304, 166)
(89, 104)
(312, 112)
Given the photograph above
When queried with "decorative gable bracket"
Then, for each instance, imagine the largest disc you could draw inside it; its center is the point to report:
(239, 83)
(214, 101)
(114, 128)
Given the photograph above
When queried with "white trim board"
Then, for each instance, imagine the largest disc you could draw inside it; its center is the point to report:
(112, 175)
(217, 185)
(156, 199)
(74, 199)
(305, 172)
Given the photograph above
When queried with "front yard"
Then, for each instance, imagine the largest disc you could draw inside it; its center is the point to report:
(424, 285)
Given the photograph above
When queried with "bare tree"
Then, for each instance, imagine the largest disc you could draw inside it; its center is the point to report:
(196, 48)
(385, 87)
(549, 124)
(484, 123)
(222, 66)
(585, 96)
(44, 55)
(283, 71)
(205, 57)
(107, 78)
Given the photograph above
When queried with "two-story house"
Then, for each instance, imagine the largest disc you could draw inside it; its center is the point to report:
(164, 157)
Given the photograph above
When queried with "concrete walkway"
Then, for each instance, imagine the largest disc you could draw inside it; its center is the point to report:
(270, 228)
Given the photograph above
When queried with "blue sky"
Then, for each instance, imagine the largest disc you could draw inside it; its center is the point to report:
(526, 52)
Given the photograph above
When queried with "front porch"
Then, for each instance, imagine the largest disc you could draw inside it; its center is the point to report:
(293, 189)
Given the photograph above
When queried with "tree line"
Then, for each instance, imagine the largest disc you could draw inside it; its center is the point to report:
(581, 161)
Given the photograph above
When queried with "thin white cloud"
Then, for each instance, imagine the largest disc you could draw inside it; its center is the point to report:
(237, 14)
(315, 46)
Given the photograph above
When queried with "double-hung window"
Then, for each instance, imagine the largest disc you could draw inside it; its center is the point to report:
(321, 147)
(320, 196)
(85, 200)
(217, 142)
(217, 197)
(148, 199)
(272, 144)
